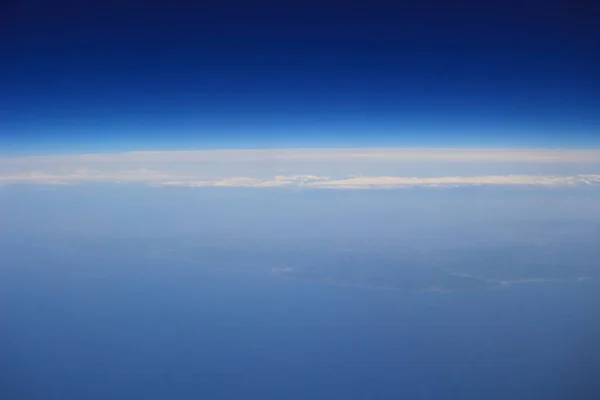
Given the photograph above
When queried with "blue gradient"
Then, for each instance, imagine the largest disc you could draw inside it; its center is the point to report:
(120, 76)
(129, 292)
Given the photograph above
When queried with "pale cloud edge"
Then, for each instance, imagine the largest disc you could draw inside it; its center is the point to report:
(158, 179)
(327, 154)
(311, 168)
(392, 182)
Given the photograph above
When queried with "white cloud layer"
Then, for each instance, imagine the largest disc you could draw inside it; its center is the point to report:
(314, 168)
(391, 182)
(395, 154)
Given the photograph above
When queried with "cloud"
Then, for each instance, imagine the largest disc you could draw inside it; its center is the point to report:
(313, 168)
(83, 175)
(392, 182)
(331, 155)
(277, 181)
(306, 181)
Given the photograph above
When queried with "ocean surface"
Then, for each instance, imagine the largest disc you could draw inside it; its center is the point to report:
(87, 330)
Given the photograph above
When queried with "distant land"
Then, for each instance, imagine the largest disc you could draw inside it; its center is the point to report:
(415, 281)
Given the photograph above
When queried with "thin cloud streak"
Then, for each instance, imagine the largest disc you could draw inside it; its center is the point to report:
(393, 154)
(393, 182)
(313, 168)
(307, 181)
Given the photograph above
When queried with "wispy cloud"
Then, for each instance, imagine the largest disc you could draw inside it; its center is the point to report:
(314, 168)
(382, 182)
(391, 182)
(84, 175)
(306, 181)
(394, 154)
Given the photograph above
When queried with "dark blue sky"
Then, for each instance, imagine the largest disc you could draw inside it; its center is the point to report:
(120, 75)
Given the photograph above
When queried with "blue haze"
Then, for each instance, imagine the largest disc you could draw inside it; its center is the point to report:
(95, 306)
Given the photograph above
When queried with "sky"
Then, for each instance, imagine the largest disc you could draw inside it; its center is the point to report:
(118, 76)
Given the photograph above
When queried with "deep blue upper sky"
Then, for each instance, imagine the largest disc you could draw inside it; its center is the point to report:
(124, 75)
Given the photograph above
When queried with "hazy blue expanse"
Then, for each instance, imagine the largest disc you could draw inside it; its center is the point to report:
(128, 292)
(299, 200)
